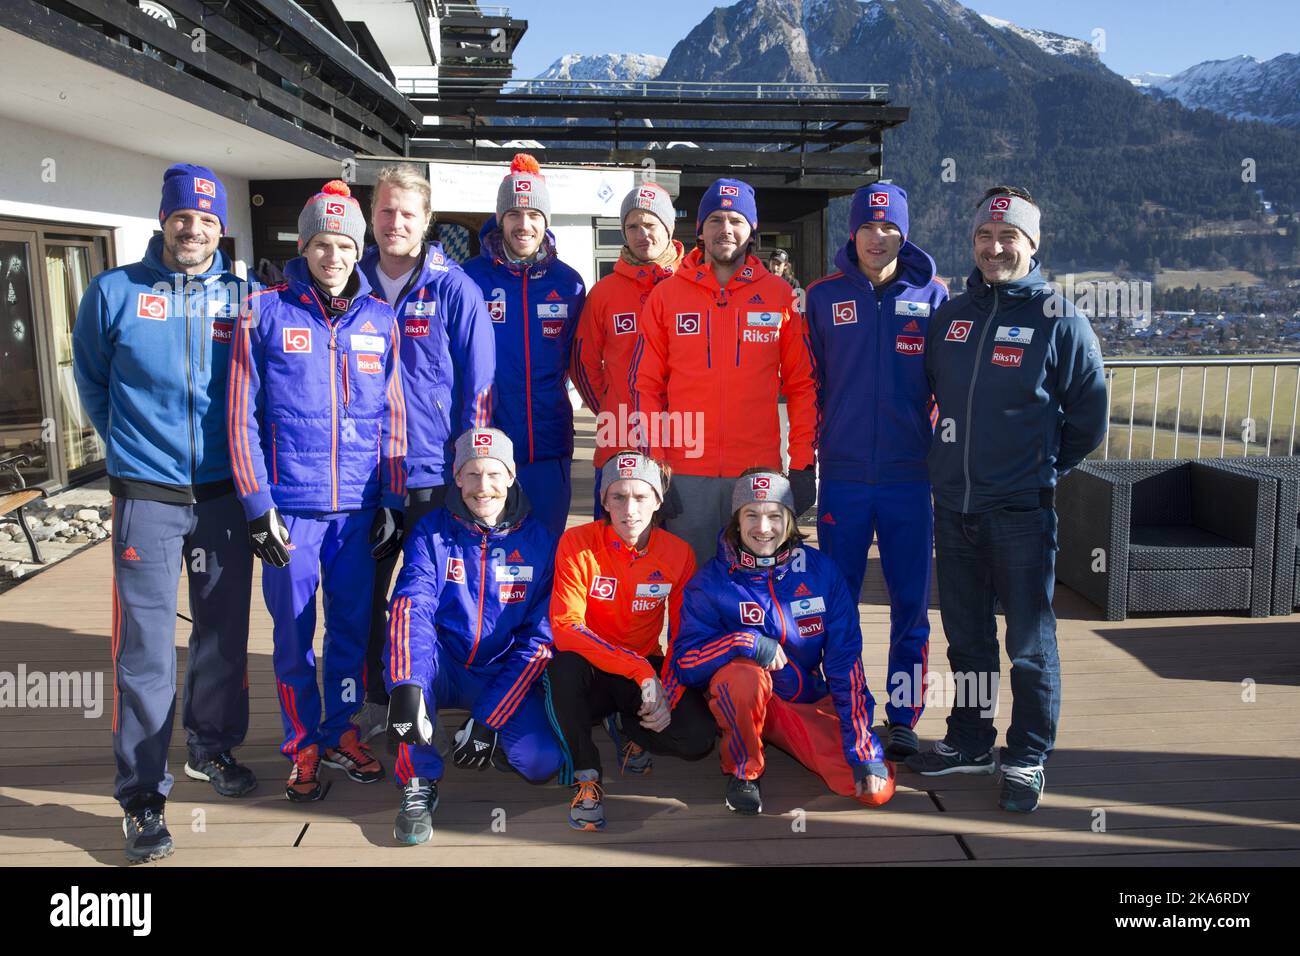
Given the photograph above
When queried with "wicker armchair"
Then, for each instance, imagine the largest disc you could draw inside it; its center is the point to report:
(1286, 543)
(1175, 535)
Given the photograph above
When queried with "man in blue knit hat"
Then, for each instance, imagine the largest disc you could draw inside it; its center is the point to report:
(868, 322)
(151, 351)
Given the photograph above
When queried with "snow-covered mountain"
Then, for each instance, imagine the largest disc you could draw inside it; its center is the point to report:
(1242, 87)
(604, 66)
(1053, 43)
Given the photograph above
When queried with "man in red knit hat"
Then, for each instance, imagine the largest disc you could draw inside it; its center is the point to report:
(534, 301)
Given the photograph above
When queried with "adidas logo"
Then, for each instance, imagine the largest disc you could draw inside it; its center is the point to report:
(370, 327)
(259, 537)
(480, 746)
(827, 519)
(402, 729)
(912, 327)
(515, 557)
(802, 591)
(130, 555)
(756, 300)
(553, 296)
(655, 576)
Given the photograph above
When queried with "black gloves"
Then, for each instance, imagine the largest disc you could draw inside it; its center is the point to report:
(386, 533)
(408, 718)
(803, 485)
(672, 506)
(475, 744)
(269, 537)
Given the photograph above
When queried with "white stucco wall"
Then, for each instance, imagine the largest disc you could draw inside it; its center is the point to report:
(99, 185)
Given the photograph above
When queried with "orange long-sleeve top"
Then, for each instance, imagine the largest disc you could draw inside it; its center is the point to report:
(608, 600)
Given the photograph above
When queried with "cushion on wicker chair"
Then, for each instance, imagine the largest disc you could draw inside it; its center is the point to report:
(1183, 548)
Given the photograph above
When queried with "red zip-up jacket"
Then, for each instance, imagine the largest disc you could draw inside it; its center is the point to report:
(717, 361)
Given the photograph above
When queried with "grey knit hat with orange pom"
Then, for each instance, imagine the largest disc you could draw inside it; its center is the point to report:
(332, 210)
(524, 188)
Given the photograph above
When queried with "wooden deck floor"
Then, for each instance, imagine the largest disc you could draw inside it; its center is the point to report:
(1154, 732)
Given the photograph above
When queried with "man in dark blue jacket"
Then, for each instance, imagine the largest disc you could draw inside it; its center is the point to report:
(448, 360)
(867, 323)
(151, 349)
(534, 301)
(1017, 376)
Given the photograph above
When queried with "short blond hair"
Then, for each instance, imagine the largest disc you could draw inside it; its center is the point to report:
(404, 176)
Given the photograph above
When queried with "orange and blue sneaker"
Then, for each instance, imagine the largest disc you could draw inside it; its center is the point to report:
(354, 758)
(632, 758)
(304, 778)
(586, 811)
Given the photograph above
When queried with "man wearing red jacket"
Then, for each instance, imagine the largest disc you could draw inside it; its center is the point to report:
(614, 580)
(723, 342)
(608, 342)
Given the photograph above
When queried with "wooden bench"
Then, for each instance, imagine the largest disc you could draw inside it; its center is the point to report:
(18, 496)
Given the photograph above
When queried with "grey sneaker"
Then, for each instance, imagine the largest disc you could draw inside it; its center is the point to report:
(1022, 788)
(146, 834)
(944, 759)
(415, 816)
(371, 720)
(632, 758)
(586, 811)
(903, 743)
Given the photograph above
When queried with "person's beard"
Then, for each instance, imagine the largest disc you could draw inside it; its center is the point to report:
(736, 256)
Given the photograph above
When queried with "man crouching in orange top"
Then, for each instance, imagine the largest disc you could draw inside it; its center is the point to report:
(614, 578)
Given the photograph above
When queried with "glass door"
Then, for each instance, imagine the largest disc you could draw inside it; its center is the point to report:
(69, 265)
(23, 425)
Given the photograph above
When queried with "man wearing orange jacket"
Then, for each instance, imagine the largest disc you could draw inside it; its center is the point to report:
(723, 340)
(608, 342)
(614, 579)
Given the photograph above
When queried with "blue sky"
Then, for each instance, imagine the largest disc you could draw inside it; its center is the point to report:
(1158, 36)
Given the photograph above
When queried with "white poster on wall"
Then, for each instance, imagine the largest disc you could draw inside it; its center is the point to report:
(472, 187)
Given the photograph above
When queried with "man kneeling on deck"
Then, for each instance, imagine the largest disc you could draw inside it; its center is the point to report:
(468, 628)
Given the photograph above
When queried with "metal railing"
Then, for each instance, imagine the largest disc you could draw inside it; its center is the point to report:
(472, 10)
(660, 89)
(1241, 432)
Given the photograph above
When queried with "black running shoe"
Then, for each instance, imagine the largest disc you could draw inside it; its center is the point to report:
(146, 834)
(743, 796)
(227, 776)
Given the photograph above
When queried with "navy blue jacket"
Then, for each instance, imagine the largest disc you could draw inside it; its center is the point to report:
(1018, 378)
(873, 401)
(534, 311)
(448, 361)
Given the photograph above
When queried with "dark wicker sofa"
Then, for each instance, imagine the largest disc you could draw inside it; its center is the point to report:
(1167, 536)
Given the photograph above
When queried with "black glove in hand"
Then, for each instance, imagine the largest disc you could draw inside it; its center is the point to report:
(269, 537)
(475, 744)
(803, 485)
(408, 718)
(386, 533)
(672, 506)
